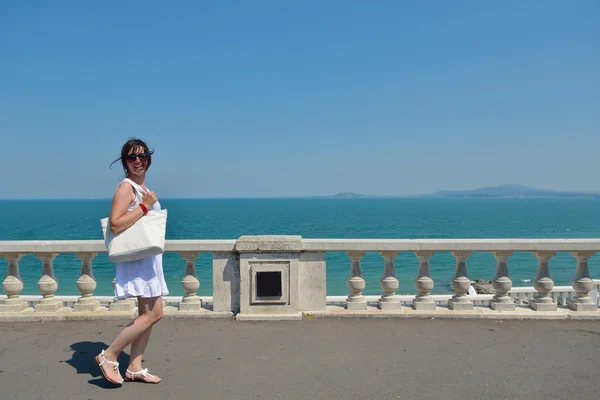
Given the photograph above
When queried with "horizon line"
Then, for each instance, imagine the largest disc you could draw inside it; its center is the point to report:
(329, 197)
(205, 198)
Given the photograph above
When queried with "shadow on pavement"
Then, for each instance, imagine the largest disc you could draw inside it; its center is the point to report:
(83, 360)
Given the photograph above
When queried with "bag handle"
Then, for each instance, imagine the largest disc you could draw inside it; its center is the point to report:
(137, 187)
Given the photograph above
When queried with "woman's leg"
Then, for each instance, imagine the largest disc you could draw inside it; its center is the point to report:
(145, 321)
(139, 345)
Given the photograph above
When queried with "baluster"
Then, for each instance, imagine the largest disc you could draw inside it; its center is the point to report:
(123, 305)
(583, 284)
(563, 298)
(594, 293)
(356, 283)
(12, 285)
(424, 283)
(502, 283)
(389, 283)
(523, 297)
(543, 284)
(190, 283)
(48, 285)
(86, 284)
(461, 283)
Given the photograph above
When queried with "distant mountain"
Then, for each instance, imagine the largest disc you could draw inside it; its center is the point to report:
(508, 191)
(500, 191)
(347, 195)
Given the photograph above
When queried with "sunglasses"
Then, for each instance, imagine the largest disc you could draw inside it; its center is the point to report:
(132, 157)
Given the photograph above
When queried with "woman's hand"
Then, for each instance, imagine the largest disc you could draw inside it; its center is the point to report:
(149, 199)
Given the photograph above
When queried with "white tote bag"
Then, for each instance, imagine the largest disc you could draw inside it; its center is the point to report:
(145, 238)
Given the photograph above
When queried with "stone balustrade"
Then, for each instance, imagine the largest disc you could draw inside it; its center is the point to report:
(284, 277)
(87, 306)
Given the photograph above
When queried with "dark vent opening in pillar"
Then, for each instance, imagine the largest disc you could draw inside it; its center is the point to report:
(268, 284)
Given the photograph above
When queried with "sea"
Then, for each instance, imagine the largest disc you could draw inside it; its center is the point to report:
(367, 218)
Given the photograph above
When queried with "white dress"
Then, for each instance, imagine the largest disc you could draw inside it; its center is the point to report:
(143, 278)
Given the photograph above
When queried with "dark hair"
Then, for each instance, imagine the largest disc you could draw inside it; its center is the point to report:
(133, 143)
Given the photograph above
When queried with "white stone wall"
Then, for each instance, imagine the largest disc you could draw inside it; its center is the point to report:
(302, 264)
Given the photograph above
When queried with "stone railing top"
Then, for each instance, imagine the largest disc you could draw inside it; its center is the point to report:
(200, 245)
(487, 245)
(98, 246)
(266, 243)
(253, 244)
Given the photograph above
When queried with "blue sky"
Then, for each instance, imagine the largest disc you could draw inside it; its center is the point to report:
(273, 98)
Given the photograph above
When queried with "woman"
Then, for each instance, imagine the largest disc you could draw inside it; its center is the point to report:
(143, 279)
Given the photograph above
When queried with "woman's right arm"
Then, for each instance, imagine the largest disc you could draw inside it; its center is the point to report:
(120, 219)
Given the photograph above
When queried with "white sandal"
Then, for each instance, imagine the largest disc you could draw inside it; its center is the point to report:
(115, 365)
(143, 373)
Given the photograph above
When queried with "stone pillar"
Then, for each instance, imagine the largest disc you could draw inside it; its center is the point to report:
(86, 284)
(226, 282)
(356, 283)
(190, 283)
(389, 283)
(583, 284)
(312, 282)
(12, 285)
(124, 305)
(461, 283)
(48, 285)
(502, 283)
(424, 284)
(543, 284)
(269, 277)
